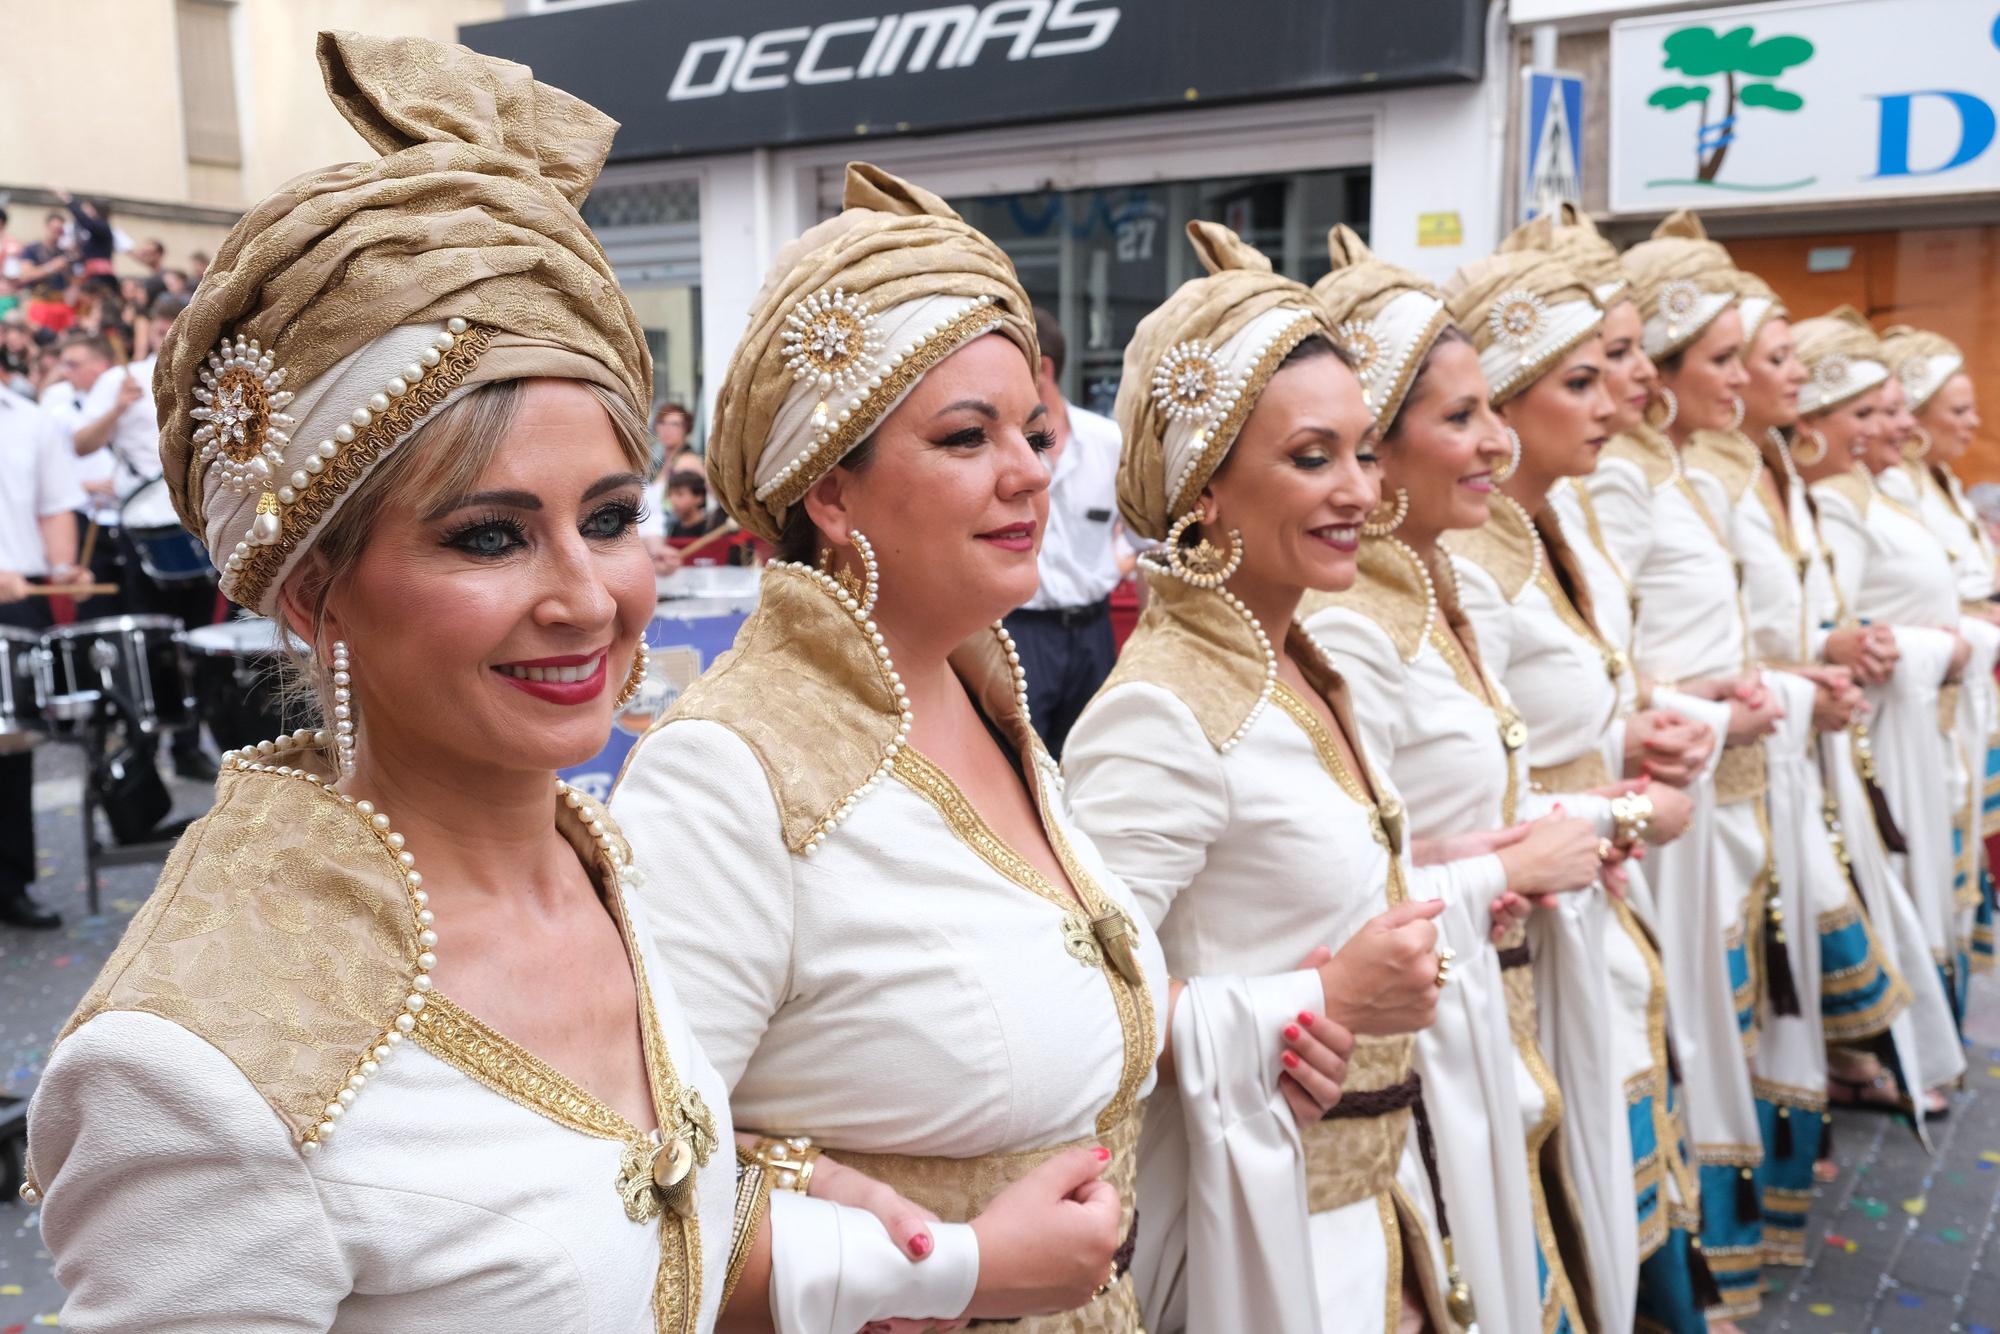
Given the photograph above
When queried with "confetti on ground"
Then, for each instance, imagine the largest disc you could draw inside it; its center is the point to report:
(1820, 1308)
(1909, 1299)
(1872, 1208)
(1993, 1072)
(10, 1289)
(1952, 1235)
(1838, 1242)
(14, 1329)
(1914, 1208)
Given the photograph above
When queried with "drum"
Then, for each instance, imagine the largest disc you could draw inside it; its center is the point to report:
(236, 680)
(21, 721)
(166, 551)
(138, 657)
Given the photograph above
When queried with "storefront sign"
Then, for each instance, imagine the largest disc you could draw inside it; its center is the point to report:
(686, 77)
(1756, 105)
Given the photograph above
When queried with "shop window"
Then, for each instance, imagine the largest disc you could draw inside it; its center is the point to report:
(208, 81)
(1102, 259)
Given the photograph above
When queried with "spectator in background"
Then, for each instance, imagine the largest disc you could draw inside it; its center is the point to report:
(688, 514)
(17, 353)
(94, 241)
(50, 305)
(151, 255)
(198, 262)
(672, 424)
(81, 361)
(1064, 632)
(49, 258)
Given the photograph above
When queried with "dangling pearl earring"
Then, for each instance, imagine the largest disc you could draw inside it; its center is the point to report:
(1501, 474)
(1375, 527)
(343, 709)
(635, 678)
(1737, 421)
(1673, 406)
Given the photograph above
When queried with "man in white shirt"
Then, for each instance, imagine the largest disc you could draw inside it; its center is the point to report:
(1064, 631)
(84, 359)
(38, 500)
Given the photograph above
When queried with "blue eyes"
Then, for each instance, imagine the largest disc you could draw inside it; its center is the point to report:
(497, 535)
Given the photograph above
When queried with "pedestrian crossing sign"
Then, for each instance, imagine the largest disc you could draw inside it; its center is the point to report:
(1551, 140)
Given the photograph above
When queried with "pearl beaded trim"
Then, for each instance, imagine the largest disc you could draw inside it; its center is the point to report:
(1264, 646)
(1430, 590)
(258, 759)
(1516, 316)
(242, 413)
(275, 512)
(1231, 401)
(873, 380)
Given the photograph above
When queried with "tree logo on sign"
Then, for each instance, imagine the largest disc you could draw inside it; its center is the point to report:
(1746, 68)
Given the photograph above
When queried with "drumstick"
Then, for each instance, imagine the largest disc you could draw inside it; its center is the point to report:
(709, 539)
(69, 590)
(89, 544)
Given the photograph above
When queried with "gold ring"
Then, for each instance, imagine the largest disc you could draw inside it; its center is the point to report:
(1605, 850)
(1445, 955)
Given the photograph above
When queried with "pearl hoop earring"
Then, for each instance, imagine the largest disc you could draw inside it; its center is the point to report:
(865, 589)
(1736, 422)
(1501, 474)
(1673, 406)
(1383, 527)
(635, 678)
(1203, 565)
(1923, 446)
(1819, 456)
(343, 709)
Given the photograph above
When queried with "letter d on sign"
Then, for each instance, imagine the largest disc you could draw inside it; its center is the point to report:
(1975, 132)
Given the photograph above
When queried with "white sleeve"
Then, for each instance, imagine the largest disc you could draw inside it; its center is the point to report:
(1623, 501)
(1846, 540)
(173, 1199)
(1491, 615)
(1468, 887)
(835, 1269)
(1373, 669)
(1137, 749)
(698, 810)
(57, 490)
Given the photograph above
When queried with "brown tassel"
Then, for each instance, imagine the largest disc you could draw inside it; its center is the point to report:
(1706, 1291)
(1885, 823)
(1781, 1141)
(1779, 984)
(1747, 1210)
(1826, 1135)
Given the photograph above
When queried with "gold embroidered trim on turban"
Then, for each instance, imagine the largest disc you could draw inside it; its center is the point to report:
(1682, 282)
(1922, 360)
(1524, 310)
(850, 317)
(1569, 234)
(1386, 317)
(1760, 305)
(359, 298)
(1843, 358)
(1194, 370)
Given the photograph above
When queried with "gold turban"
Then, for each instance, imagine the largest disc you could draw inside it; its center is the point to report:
(1760, 305)
(1843, 358)
(1570, 235)
(1524, 310)
(358, 299)
(1194, 370)
(1922, 360)
(1682, 282)
(849, 318)
(1386, 317)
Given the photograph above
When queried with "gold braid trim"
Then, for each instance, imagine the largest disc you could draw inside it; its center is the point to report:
(1224, 432)
(326, 487)
(866, 415)
(753, 1197)
(460, 1039)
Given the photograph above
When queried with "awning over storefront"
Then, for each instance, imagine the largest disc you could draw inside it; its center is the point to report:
(689, 76)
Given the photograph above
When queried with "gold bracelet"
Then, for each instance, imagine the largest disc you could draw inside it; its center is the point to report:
(1631, 817)
(790, 1159)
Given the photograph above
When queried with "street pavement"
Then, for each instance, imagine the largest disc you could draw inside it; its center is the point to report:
(1901, 1243)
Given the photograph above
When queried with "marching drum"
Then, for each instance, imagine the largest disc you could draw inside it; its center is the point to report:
(21, 722)
(167, 553)
(236, 683)
(137, 657)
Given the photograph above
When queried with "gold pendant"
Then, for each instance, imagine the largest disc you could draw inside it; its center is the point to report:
(1389, 815)
(1080, 940)
(635, 1182)
(1513, 732)
(1113, 931)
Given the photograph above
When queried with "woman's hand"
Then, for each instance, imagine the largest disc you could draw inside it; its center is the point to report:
(1046, 1242)
(1837, 701)
(908, 1223)
(1961, 651)
(1753, 711)
(1459, 847)
(1869, 651)
(1672, 809)
(1667, 747)
(1558, 855)
(1384, 979)
(1315, 1063)
(1509, 910)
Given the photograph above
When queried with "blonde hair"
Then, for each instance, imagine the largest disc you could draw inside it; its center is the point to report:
(442, 458)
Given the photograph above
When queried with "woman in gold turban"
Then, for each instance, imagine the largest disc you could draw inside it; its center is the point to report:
(1529, 601)
(896, 942)
(311, 1089)
(1222, 773)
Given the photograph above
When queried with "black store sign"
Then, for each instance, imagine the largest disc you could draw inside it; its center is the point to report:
(694, 76)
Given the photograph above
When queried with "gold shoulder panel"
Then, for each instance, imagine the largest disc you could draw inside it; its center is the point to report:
(1503, 546)
(1650, 451)
(1852, 486)
(1391, 588)
(1728, 457)
(281, 933)
(1190, 644)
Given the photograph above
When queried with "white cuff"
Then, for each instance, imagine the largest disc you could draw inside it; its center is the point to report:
(835, 1269)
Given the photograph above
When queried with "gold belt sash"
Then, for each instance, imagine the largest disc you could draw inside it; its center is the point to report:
(1948, 708)
(1581, 774)
(1740, 774)
(1354, 1158)
(957, 1189)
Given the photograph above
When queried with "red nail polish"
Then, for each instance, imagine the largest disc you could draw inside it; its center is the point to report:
(1292, 1032)
(1306, 1018)
(1103, 1155)
(920, 1245)
(1291, 1061)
